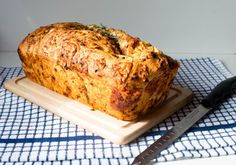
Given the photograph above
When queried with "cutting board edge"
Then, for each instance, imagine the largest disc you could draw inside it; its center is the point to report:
(106, 133)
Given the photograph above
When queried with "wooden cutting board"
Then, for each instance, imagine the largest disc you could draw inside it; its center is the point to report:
(106, 126)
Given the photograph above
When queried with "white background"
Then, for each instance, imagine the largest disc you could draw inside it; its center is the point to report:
(178, 27)
(206, 26)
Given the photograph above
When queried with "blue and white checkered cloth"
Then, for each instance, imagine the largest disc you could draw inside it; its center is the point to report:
(28, 133)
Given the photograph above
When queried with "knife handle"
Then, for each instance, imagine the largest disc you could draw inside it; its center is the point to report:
(219, 93)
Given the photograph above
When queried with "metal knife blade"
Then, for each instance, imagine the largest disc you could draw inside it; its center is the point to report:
(216, 96)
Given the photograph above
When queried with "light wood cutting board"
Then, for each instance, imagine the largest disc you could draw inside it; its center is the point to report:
(106, 126)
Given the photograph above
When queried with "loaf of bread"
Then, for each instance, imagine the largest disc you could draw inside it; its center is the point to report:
(101, 67)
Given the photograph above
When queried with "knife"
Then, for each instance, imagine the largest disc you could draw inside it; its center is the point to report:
(211, 101)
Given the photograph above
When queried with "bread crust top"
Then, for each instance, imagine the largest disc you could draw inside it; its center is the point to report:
(96, 51)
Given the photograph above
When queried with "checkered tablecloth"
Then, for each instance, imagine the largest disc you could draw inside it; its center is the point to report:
(28, 133)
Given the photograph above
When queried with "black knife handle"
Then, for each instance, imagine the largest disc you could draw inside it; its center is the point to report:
(219, 93)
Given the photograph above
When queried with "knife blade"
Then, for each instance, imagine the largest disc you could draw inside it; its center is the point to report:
(211, 101)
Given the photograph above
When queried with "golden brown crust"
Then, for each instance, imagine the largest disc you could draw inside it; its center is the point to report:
(104, 68)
